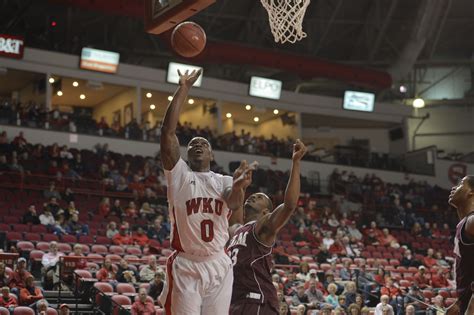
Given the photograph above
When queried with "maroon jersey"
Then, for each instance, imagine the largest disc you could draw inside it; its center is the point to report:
(464, 252)
(252, 262)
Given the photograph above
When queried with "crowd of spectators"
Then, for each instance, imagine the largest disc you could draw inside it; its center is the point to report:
(37, 116)
(333, 232)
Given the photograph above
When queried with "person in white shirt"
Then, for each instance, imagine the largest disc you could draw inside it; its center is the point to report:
(383, 308)
(50, 263)
(148, 272)
(47, 218)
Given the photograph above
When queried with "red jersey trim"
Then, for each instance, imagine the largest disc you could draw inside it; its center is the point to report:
(175, 241)
(169, 270)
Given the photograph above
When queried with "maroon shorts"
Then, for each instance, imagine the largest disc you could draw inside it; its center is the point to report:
(252, 308)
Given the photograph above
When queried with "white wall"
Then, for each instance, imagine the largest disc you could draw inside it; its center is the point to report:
(224, 158)
(450, 128)
(453, 83)
(379, 139)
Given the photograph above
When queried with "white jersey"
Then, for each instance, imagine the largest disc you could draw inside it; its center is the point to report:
(198, 214)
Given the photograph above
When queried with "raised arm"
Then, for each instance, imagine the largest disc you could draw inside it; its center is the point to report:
(269, 225)
(234, 196)
(169, 142)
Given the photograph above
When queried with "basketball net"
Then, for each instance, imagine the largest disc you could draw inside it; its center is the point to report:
(286, 19)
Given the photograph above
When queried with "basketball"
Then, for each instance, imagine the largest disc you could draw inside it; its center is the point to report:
(188, 39)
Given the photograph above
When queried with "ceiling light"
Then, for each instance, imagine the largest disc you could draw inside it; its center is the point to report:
(248, 107)
(82, 97)
(275, 111)
(256, 119)
(418, 103)
(403, 89)
(51, 80)
(228, 115)
(149, 95)
(191, 101)
(75, 84)
(170, 98)
(152, 106)
(59, 93)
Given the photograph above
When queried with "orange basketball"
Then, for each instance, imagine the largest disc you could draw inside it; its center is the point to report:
(188, 39)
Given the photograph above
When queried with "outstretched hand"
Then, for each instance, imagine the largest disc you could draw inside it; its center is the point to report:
(243, 174)
(188, 79)
(299, 150)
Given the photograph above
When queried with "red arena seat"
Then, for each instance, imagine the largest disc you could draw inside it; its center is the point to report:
(64, 248)
(25, 246)
(42, 246)
(118, 250)
(121, 300)
(4, 311)
(23, 310)
(66, 238)
(123, 288)
(50, 238)
(33, 237)
(99, 249)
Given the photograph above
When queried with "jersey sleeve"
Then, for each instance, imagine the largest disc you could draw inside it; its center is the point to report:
(227, 182)
(176, 176)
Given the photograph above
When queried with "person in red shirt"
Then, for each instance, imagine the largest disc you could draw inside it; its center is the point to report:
(439, 280)
(429, 261)
(140, 238)
(420, 277)
(18, 278)
(387, 239)
(77, 251)
(142, 306)
(6, 300)
(390, 289)
(337, 248)
(30, 294)
(131, 210)
(106, 273)
(122, 238)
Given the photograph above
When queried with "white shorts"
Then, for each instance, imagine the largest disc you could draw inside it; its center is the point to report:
(197, 287)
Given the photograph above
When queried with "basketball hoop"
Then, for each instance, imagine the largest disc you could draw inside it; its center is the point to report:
(286, 19)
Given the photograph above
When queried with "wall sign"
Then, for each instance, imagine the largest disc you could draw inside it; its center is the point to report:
(11, 46)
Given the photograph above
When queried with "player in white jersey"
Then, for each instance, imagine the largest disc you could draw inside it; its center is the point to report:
(199, 273)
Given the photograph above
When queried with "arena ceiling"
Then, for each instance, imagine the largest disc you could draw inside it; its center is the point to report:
(362, 33)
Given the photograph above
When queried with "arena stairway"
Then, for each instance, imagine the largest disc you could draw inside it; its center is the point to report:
(77, 304)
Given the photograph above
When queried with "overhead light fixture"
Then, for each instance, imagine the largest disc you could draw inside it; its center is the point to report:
(191, 101)
(228, 115)
(403, 89)
(256, 119)
(170, 98)
(276, 111)
(82, 96)
(152, 106)
(75, 84)
(149, 95)
(59, 93)
(51, 80)
(248, 107)
(418, 103)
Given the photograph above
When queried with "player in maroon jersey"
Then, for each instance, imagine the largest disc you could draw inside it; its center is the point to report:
(462, 198)
(250, 247)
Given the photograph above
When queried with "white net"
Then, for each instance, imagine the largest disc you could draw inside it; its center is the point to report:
(286, 19)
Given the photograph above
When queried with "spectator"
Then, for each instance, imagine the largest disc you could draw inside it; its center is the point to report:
(315, 296)
(146, 211)
(158, 230)
(77, 252)
(122, 238)
(350, 292)
(303, 275)
(68, 195)
(60, 226)
(388, 239)
(47, 218)
(51, 192)
(50, 265)
(53, 206)
(300, 297)
(31, 217)
(4, 277)
(353, 309)
(142, 306)
(3, 163)
(390, 289)
(15, 167)
(413, 295)
(104, 207)
(439, 280)
(111, 229)
(6, 300)
(332, 298)
(323, 256)
(116, 209)
(140, 238)
(408, 260)
(42, 307)
(421, 278)
(440, 261)
(438, 307)
(123, 273)
(148, 271)
(76, 228)
(410, 310)
(30, 293)
(345, 271)
(156, 286)
(18, 278)
(131, 210)
(429, 261)
(107, 273)
(383, 308)
(64, 309)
